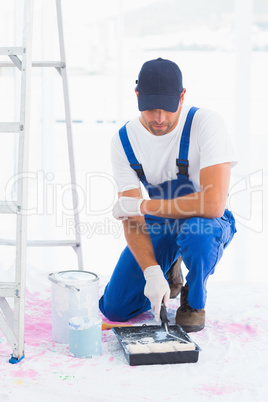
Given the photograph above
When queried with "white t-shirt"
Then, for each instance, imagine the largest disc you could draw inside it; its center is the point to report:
(209, 145)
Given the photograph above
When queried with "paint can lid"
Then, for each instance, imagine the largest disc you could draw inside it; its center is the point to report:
(74, 278)
(79, 323)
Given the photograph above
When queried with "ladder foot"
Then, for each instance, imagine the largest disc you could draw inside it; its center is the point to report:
(14, 360)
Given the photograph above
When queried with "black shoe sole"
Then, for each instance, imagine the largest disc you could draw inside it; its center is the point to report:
(193, 328)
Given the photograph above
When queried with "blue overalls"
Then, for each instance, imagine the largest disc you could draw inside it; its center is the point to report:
(200, 241)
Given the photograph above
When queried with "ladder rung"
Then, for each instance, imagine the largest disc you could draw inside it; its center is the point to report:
(11, 51)
(56, 64)
(10, 127)
(42, 243)
(8, 207)
(52, 243)
(8, 289)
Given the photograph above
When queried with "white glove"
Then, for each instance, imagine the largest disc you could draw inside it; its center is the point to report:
(156, 288)
(126, 207)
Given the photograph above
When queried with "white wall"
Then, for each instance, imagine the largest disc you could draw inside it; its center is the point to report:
(103, 62)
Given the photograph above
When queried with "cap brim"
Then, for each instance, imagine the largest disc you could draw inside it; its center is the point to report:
(164, 102)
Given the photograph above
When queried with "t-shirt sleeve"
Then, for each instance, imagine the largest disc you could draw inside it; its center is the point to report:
(124, 176)
(214, 143)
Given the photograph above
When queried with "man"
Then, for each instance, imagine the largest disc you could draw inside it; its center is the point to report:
(183, 157)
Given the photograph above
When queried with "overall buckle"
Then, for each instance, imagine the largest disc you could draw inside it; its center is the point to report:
(183, 165)
(138, 168)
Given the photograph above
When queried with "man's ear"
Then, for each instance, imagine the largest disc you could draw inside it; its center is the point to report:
(137, 93)
(182, 95)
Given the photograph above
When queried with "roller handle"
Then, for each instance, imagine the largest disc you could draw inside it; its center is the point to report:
(163, 314)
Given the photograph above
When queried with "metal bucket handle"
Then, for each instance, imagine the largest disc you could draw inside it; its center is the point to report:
(62, 284)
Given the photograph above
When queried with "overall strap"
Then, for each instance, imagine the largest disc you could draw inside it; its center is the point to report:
(183, 162)
(130, 154)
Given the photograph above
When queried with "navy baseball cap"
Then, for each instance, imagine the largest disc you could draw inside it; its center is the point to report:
(159, 85)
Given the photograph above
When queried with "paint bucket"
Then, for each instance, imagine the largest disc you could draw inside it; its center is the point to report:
(74, 293)
(85, 336)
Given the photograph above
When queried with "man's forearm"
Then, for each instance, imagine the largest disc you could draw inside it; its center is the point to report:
(209, 202)
(200, 204)
(139, 242)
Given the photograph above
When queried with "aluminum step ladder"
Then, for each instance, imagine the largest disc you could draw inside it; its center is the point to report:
(12, 320)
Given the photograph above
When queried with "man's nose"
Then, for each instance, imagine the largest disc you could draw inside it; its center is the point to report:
(159, 116)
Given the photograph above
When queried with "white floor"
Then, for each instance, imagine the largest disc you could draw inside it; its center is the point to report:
(231, 367)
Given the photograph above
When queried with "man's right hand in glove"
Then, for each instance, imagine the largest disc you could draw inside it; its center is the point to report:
(156, 288)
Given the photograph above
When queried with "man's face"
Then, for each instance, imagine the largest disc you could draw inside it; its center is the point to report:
(159, 121)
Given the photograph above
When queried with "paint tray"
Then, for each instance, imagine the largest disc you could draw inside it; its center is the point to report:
(132, 335)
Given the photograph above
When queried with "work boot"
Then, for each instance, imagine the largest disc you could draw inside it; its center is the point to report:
(175, 278)
(190, 319)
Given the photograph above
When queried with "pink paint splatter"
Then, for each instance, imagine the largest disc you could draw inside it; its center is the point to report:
(55, 365)
(24, 373)
(147, 315)
(210, 390)
(77, 365)
(36, 332)
(38, 327)
(111, 358)
(240, 329)
(242, 332)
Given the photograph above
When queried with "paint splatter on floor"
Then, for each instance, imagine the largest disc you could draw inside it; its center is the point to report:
(217, 390)
(231, 366)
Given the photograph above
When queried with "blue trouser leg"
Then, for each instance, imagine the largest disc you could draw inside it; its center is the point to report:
(200, 241)
(124, 294)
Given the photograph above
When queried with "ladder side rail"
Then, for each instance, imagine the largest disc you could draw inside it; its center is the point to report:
(23, 156)
(69, 135)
